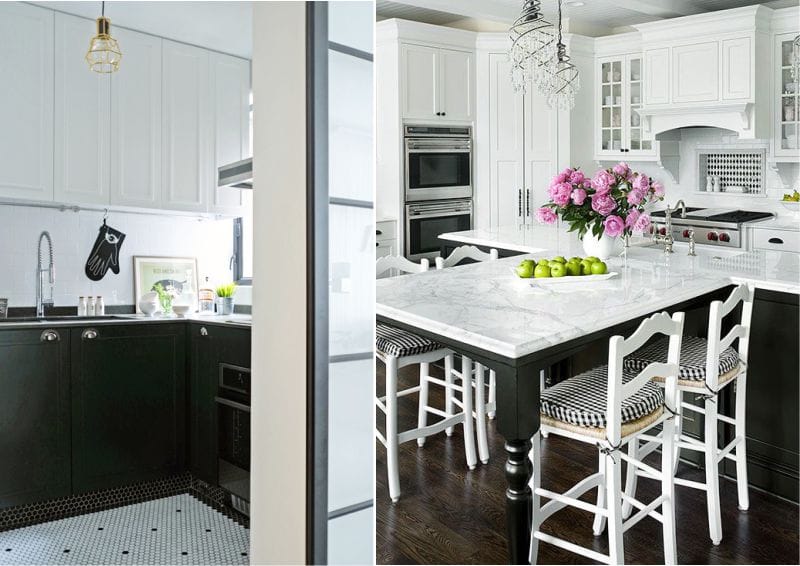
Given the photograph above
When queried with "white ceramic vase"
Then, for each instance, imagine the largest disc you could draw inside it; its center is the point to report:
(603, 247)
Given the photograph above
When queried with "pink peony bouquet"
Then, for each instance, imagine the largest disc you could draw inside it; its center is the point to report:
(611, 202)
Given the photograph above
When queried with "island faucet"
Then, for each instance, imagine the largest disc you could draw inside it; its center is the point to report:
(667, 238)
(50, 270)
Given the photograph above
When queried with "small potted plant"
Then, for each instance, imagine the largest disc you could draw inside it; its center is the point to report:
(225, 298)
(165, 297)
(609, 205)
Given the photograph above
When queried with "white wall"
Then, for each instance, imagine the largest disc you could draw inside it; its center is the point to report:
(74, 234)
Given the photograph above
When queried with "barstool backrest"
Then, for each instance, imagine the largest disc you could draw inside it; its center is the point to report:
(741, 331)
(619, 347)
(403, 265)
(465, 252)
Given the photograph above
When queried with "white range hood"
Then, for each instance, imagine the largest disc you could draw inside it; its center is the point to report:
(736, 117)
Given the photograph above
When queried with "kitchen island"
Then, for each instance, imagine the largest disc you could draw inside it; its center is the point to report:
(518, 328)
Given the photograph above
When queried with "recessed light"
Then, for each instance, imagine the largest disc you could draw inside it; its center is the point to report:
(576, 4)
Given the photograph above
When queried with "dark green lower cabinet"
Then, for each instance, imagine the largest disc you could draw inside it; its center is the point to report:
(209, 346)
(128, 404)
(34, 416)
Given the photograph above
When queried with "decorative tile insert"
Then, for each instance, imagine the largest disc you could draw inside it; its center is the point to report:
(736, 167)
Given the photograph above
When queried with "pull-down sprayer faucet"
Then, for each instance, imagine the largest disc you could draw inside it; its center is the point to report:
(50, 270)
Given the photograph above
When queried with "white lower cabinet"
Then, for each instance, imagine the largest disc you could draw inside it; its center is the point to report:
(26, 102)
(136, 123)
(82, 110)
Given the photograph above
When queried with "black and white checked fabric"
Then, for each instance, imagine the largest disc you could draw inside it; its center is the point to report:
(581, 400)
(693, 357)
(399, 343)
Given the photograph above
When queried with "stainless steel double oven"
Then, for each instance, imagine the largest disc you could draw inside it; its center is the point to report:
(438, 186)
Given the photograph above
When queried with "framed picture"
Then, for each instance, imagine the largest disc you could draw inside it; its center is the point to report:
(177, 275)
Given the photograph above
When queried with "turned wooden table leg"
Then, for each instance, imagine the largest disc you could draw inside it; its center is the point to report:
(518, 499)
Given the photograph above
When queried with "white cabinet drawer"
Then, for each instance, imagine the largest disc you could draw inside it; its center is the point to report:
(385, 230)
(777, 240)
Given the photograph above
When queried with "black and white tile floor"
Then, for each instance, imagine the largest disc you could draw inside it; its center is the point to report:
(172, 530)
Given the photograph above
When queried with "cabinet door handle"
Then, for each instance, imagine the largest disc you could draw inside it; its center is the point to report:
(444, 113)
(775, 241)
(519, 203)
(50, 336)
(378, 232)
(89, 334)
(527, 202)
(203, 331)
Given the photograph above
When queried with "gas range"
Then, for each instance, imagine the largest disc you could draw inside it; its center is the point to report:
(712, 226)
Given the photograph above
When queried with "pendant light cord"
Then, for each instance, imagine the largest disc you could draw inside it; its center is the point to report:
(559, 21)
(103, 9)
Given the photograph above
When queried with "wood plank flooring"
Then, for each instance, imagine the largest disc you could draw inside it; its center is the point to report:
(450, 515)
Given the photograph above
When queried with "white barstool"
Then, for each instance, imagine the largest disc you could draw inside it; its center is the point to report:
(397, 348)
(610, 407)
(483, 409)
(707, 366)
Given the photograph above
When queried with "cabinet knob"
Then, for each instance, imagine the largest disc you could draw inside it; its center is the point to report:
(444, 113)
(50, 336)
(89, 334)
(203, 331)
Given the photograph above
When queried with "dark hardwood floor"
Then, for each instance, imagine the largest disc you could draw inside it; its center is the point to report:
(450, 515)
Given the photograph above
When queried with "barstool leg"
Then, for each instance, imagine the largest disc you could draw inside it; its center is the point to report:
(613, 467)
(542, 384)
(448, 390)
(678, 431)
(712, 472)
(668, 491)
(631, 479)
(392, 464)
(492, 393)
(466, 400)
(599, 524)
(741, 450)
(480, 414)
(535, 483)
(422, 414)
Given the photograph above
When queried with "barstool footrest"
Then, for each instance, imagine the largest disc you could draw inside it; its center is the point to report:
(572, 547)
(644, 511)
(570, 498)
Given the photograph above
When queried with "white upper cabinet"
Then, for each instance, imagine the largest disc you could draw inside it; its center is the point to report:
(787, 101)
(737, 60)
(82, 106)
(187, 127)
(26, 102)
(695, 72)
(437, 84)
(230, 77)
(136, 122)
(656, 76)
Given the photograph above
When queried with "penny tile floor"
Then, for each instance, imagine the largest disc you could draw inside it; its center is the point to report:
(172, 530)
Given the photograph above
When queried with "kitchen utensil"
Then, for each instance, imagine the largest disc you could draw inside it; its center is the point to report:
(709, 184)
(148, 303)
(717, 187)
(181, 310)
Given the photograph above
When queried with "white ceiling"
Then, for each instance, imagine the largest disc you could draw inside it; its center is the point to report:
(600, 15)
(221, 26)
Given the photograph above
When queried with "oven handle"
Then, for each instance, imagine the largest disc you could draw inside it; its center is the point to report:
(418, 215)
(438, 149)
(232, 404)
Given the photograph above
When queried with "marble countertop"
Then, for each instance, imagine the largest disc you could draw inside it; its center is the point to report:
(780, 223)
(237, 320)
(485, 305)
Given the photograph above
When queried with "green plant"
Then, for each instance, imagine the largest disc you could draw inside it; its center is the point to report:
(226, 291)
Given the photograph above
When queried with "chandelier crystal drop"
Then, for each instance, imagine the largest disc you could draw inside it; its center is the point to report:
(104, 53)
(563, 80)
(533, 47)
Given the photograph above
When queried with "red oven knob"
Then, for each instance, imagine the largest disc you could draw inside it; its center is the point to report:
(662, 231)
(723, 237)
(651, 229)
(686, 233)
(712, 236)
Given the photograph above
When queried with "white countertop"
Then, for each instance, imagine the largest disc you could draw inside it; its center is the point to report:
(485, 305)
(780, 223)
(230, 320)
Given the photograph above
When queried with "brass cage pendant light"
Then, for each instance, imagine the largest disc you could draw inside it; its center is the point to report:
(104, 53)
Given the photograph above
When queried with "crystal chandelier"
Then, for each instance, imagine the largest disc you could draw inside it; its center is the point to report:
(562, 82)
(532, 46)
(104, 54)
(796, 59)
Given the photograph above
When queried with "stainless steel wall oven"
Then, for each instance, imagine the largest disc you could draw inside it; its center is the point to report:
(233, 434)
(426, 220)
(438, 162)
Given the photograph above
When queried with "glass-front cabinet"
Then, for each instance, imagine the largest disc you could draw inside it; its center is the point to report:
(787, 118)
(619, 132)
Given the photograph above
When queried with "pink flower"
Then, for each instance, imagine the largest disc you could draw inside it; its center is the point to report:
(603, 204)
(560, 193)
(641, 182)
(633, 216)
(577, 177)
(614, 226)
(545, 215)
(642, 224)
(636, 196)
(558, 179)
(578, 196)
(620, 168)
(602, 181)
(658, 189)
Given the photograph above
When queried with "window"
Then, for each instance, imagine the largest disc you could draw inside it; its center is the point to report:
(243, 230)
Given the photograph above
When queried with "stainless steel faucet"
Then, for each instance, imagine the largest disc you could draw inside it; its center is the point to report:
(50, 270)
(667, 238)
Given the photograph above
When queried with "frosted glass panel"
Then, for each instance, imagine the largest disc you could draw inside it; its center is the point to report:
(351, 24)
(350, 122)
(350, 538)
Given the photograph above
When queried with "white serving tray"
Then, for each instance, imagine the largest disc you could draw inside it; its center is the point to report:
(555, 281)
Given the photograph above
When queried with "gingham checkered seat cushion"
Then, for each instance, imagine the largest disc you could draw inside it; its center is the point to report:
(693, 358)
(581, 400)
(399, 343)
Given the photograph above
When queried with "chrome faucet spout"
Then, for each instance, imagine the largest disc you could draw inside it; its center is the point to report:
(41, 302)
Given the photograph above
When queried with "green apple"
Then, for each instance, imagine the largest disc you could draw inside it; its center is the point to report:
(560, 259)
(592, 258)
(573, 268)
(544, 261)
(558, 269)
(599, 268)
(525, 269)
(575, 259)
(542, 270)
(586, 267)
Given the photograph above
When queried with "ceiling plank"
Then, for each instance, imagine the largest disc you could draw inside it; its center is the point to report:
(659, 8)
(479, 9)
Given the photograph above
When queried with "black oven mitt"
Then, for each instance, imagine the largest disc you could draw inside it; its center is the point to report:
(105, 254)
